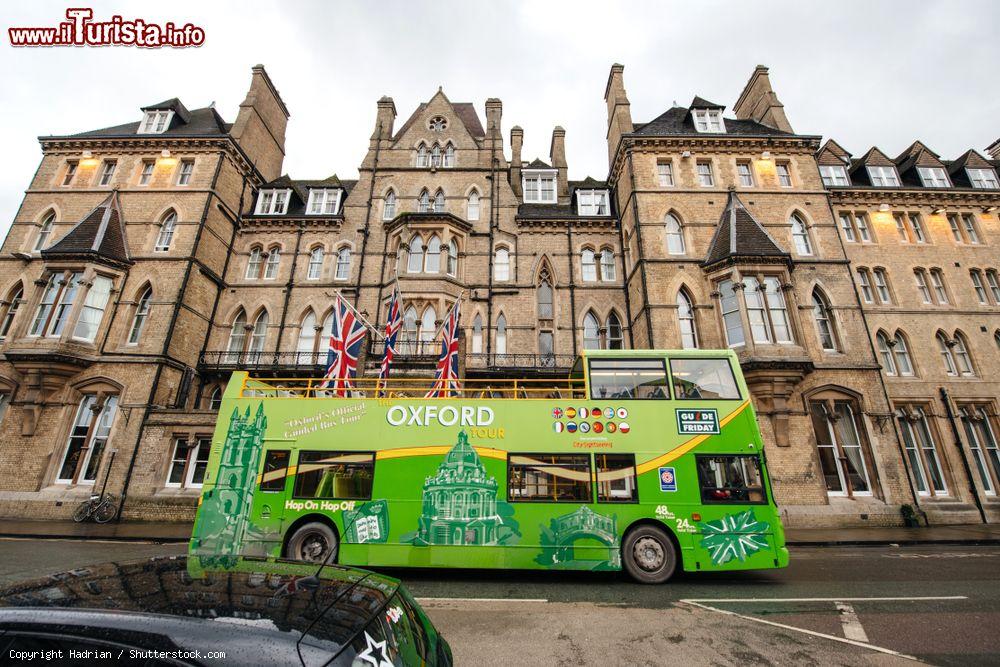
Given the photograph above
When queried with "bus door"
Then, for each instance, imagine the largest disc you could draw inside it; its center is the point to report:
(268, 517)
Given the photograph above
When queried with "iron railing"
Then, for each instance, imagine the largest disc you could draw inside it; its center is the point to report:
(406, 352)
(526, 361)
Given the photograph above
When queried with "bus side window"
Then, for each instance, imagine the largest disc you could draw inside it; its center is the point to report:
(704, 379)
(272, 478)
(552, 478)
(335, 475)
(616, 478)
(730, 479)
(628, 379)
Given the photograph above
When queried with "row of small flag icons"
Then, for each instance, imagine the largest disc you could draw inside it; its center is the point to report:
(587, 427)
(593, 413)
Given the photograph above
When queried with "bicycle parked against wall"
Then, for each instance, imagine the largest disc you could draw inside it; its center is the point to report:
(101, 507)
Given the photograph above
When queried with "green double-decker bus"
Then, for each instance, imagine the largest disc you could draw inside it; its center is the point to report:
(642, 460)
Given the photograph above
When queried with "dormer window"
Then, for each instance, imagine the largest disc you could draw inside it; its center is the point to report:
(592, 202)
(983, 179)
(834, 176)
(272, 202)
(539, 187)
(708, 120)
(324, 202)
(933, 177)
(883, 177)
(155, 122)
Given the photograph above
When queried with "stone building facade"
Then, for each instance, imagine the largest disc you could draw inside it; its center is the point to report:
(150, 259)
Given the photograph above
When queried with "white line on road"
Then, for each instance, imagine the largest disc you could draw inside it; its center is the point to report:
(893, 599)
(813, 633)
(852, 624)
(481, 600)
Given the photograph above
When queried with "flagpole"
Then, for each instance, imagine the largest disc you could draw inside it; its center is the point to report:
(444, 321)
(361, 317)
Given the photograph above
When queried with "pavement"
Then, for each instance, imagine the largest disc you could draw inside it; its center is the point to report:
(132, 531)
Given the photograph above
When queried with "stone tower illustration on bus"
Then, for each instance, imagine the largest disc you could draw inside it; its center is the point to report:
(460, 504)
(225, 509)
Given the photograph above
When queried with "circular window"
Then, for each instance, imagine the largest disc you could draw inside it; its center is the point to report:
(438, 123)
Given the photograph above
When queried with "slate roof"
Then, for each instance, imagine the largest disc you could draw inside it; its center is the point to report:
(917, 154)
(702, 103)
(173, 104)
(99, 237)
(677, 121)
(466, 112)
(740, 236)
(204, 122)
(538, 164)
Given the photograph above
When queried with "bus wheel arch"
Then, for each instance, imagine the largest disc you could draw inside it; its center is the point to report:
(310, 525)
(663, 544)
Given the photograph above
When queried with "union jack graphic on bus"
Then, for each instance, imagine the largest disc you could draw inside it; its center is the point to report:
(446, 375)
(345, 346)
(393, 323)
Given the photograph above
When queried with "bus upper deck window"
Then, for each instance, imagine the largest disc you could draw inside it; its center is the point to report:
(705, 379)
(628, 379)
(272, 478)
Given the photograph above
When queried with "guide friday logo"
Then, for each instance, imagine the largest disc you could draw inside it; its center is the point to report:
(698, 422)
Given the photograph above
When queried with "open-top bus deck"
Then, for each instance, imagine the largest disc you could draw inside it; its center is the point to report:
(642, 460)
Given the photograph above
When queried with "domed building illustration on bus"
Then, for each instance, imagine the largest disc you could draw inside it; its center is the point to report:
(460, 504)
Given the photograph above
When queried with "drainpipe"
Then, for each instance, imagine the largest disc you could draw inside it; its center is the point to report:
(641, 261)
(572, 285)
(965, 462)
(626, 279)
(288, 288)
(494, 207)
(367, 230)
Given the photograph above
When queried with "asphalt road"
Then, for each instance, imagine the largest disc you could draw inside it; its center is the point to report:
(828, 607)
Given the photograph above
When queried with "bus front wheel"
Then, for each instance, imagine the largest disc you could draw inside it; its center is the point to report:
(649, 556)
(314, 542)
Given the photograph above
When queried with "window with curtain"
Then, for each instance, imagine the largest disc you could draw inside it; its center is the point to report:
(607, 265)
(415, 261)
(501, 338)
(315, 269)
(823, 316)
(140, 316)
(921, 453)
(591, 332)
(501, 265)
(166, 234)
(685, 317)
(87, 440)
(675, 235)
(343, 263)
(841, 448)
(800, 236)
(588, 265)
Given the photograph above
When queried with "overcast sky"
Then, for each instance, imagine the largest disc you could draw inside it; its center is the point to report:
(864, 73)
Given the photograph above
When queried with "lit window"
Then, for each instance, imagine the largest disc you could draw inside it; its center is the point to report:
(343, 263)
(140, 317)
(501, 265)
(705, 177)
(324, 202)
(389, 206)
(155, 122)
(745, 174)
(539, 187)
(45, 231)
(185, 172)
(800, 236)
(592, 202)
(87, 440)
(883, 177)
(315, 268)
(983, 178)
(166, 234)
(665, 173)
(189, 463)
(933, 177)
(146, 175)
(107, 172)
(784, 176)
(708, 120)
(834, 176)
(273, 202)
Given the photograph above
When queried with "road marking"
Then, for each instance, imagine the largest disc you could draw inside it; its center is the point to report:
(891, 599)
(813, 633)
(533, 600)
(852, 624)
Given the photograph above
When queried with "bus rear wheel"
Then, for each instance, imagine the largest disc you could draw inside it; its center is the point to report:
(314, 542)
(648, 555)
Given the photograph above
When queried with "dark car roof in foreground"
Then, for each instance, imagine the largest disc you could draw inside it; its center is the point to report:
(255, 610)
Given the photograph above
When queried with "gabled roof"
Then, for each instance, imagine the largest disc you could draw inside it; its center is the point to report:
(99, 237)
(740, 236)
(464, 111)
(832, 153)
(538, 164)
(588, 183)
(914, 149)
(702, 103)
(678, 121)
(874, 157)
(173, 104)
(204, 122)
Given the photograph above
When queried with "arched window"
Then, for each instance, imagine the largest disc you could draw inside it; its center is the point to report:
(315, 270)
(675, 235)
(436, 156)
(477, 334)
(472, 206)
(45, 231)
(166, 235)
(422, 156)
(903, 362)
(271, 263)
(962, 357)
(449, 156)
(254, 263)
(946, 356)
(439, 201)
(502, 334)
(885, 353)
(343, 263)
(996, 338)
(842, 444)
(607, 265)
(800, 236)
(415, 262)
(824, 321)
(544, 293)
(389, 206)
(588, 265)
(259, 334)
(501, 265)
(10, 306)
(685, 317)
(452, 257)
(215, 398)
(237, 337)
(424, 204)
(428, 324)
(432, 258)
(613, 327)
(140, 316)
(591, 332)
(306, 344)
(409, 330)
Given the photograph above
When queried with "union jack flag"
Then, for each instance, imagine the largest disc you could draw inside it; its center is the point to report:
(393, 323)
(446, 375)
(345, 345)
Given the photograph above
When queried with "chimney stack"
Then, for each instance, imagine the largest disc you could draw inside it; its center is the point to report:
(516, 141)
(619, 109)
(494, 110)
(260, 124)
(384, 119)
(759, 102)
(557, 155)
